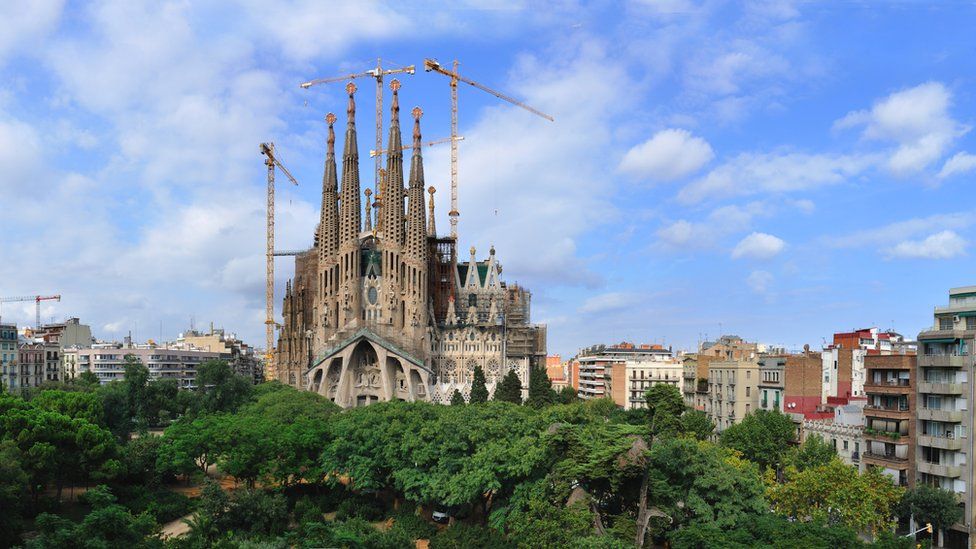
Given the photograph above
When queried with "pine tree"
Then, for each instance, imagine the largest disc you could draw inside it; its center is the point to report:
(479, 390)
(457, 399)
(540, 388)
(510, 389)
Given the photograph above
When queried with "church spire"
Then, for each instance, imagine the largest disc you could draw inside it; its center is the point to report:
(329, 222)
(369, 211)
(351, 222)
(416, 231)
(431, 231)
(392, 205)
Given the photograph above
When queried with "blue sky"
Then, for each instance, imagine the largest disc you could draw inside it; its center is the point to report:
(776, 170)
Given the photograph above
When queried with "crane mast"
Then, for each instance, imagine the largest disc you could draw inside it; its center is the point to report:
(271, 161)
(433, 65)
(37, 299)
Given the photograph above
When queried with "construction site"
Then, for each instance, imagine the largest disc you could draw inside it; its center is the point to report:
(381, 307)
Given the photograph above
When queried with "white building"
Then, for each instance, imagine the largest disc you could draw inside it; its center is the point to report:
(107, 361)
(845, 432)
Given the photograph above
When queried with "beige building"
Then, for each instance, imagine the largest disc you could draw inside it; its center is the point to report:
(733, 391)
(624, 372)
(107, 361)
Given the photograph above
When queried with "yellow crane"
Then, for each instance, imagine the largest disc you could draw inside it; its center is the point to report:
(431, 65)
(271, 160)
(378, 73)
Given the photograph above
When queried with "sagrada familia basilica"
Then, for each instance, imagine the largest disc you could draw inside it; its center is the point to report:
(383, 310)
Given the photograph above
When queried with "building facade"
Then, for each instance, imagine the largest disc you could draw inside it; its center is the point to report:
(385, 310)
(944, 396)
(239, 355)
(772, 384)
(843, 372)
(9, 372)
(624, 372)
(733, 391)
(844, 431)
(31, 365)
(107, 361)
(889, 415)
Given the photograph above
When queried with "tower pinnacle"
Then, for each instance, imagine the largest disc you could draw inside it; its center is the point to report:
(431, 231)
(329, 220)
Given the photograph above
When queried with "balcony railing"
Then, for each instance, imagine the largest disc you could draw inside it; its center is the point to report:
(946, 416)
(951, 471)
(940, 441)
(942, 388)
(890, 457)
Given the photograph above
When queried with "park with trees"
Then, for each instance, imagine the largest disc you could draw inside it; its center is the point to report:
(236, 465)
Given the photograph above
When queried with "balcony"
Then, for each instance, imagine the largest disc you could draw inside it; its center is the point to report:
(945, 443)
(950, 471)
(885, 436)
(938, 388)
(887, 459)
(896, 412)
(894, 387)
(946, 416)
(946, 361)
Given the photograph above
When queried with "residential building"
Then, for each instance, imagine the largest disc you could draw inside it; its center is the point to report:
(107, 361)
(694, 387)
(802, 382)
(8, 356)
(729, 347)
(843, 372)
(844, 431)
(889, 431)
(872, 340)
(239, 355)
(69, 362)
(944, 444)
(31, 365)
(772, 384)
(733, 391)
(70, 333)
(625, 371)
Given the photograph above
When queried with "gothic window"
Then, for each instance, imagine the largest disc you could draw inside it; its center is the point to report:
(371, 295)
(472, 300)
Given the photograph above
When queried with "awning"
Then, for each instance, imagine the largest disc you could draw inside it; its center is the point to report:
(967, 313)
(940, 340)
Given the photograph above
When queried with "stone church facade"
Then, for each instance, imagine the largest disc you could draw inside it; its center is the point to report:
(383, 310)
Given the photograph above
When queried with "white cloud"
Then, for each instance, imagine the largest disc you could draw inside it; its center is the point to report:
(753, 173)
(759, 281)
(668, 155)
(25, 21)
(942, 245)
(961, 162)
(885, 236)
(758, 246)
(722, 221)
(917, 119)
(608, 302)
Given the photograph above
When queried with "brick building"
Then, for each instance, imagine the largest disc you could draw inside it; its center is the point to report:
(889, 425)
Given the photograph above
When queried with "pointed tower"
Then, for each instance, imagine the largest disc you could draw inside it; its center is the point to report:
(416, 244)
(351, 222)
(347, 286)
(392, 184)
(431, 231)
(329, 223)
(369, 211)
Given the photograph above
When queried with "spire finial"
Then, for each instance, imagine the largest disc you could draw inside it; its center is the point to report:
(330, 120)
(472, 251)
(369, 210)
(431, 231)
(394, 85)
(351, 109)
(417, 112)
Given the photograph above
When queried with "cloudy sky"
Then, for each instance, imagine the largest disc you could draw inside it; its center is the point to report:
(772, 169)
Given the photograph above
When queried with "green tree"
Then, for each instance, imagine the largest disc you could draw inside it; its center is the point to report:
(930, 504)
(89, 378)
(136, 384)
(107, 525)
(540, 388)
(13, 486)
(814, 452)
(697, 424)
(74, 404)
(836, 494)
(664, 408)
(479, 390)
(457, 399)
(763, 437)
(567, 395)
(510, 388)
(219, 388)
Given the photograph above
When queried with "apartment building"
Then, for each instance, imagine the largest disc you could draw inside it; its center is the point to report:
(944, 395)
(772, 384)
(802, 382)
(107, 361)
(31, 365)
(843, 372)
(889, 430)
(694, 386)
(8, 356)
(239, 355)
(624, 372)
(733, 391)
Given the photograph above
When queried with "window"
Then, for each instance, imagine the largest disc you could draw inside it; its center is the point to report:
(845, 445)
(748, 391)
(945, 322)
(748, 374)
(971, 322)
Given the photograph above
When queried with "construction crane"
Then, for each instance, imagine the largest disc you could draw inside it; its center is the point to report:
(377, 152)
(37, 299)
(433, 65)
(378, 73)
(270, 160)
